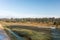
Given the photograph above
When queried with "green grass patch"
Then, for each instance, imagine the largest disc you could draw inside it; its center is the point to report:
(33, 35)
(12, 37)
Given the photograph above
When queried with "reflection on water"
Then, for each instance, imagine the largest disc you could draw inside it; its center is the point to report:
(2, 37)
(55, 34)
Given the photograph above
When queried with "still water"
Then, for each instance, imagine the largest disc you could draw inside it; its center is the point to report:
(55, 34)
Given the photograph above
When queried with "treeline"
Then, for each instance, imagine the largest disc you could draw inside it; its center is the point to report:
(38, 20)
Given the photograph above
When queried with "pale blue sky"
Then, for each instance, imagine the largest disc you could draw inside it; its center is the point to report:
(29, 8)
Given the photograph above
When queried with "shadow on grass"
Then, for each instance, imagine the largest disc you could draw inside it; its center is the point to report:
(13, 37)
(46, 30)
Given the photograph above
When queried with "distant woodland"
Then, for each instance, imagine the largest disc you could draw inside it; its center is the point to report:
(53, 21)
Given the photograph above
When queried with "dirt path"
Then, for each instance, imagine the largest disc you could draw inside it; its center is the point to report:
(3, 35)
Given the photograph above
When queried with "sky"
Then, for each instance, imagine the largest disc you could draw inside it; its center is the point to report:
(29, 8)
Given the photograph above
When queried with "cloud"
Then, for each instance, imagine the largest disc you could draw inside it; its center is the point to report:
(8, 14)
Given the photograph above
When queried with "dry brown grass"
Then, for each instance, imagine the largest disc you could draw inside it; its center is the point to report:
(34, 24)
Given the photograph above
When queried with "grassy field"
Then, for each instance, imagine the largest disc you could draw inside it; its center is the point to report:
(34, 24)
(12, 37)
(28, 34)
